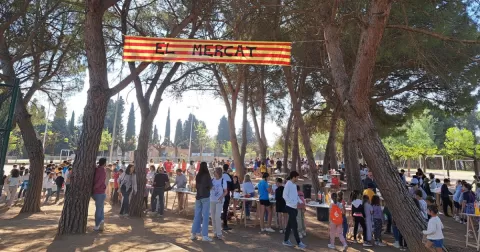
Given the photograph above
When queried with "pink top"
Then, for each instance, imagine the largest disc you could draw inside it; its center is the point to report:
(301, 204)
(99, 180)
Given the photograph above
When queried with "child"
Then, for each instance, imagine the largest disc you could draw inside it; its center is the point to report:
(358, 215)
(422, 203)
(336, 221)
(434, 231)
(369, 191)
(399, 241)
(302, 230)
(59, 182)
(430, 201)
(445, 195)
(341, 204)
(377, 220)
(335, 182)
(368, 221)
(456, 200)
(280, 206)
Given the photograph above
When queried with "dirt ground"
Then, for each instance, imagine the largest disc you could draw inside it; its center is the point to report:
(36, 232)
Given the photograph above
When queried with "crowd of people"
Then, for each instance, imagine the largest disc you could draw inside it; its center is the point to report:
(216, 189)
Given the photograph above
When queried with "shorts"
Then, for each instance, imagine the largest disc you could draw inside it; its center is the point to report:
(265, 202)
(437, 243)
(456, 204)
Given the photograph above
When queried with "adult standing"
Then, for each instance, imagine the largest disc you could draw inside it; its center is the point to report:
(128, 183)
(168, 167)
(99, 195)
(279, 165)
(160, 183)
(203, 184)
(290, 195)
(229, 181)
(217, 199)
(68, 176)
(13, 181)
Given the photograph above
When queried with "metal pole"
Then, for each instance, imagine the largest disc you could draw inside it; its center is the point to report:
(46, 128)
(114, 127)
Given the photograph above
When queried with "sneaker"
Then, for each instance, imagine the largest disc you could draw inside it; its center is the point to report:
(96, 228)
(396, 245)
(367, 244)
(193, 237)
(287, 243)
(302, 245)
(270, 230)
(281, 231)
(206, 239)
(304, 234)
(262, 229)
(227, 228)
(344, 248)
(331, 246)
(220, 237)
(101, 227)
(300, 236)
(380, 244)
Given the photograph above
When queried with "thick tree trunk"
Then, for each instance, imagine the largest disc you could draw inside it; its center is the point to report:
(260, 131)
(141, 159)
(286, 143)
(75, 209)
(354, 182)
(235, 149)
(295, 147)
(35, 155)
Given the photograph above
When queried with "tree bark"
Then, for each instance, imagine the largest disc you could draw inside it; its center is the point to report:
(75, 209)
(243, 150)
(354, 94)
(313, 171)
(331, 150)
(32, 144)
(350, 150)
(286, 143)
(295, 146)
(35, 155)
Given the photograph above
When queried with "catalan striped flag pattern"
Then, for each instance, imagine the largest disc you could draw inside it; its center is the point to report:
(206, 51)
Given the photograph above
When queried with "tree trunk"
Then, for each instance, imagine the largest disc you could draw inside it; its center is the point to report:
(330, 158)
(260, 130)
(286, 143)
(350, 151)
(141, 158)
(75, 209)
(475, 159)
(295, 146)
(35, 155)
(235, 149)
(313, 171)
(243, 150)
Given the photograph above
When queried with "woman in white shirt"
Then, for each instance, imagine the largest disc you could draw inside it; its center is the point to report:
(13, 181)
(248, 191)
(191, 175)
(217, 197)
(49, 185)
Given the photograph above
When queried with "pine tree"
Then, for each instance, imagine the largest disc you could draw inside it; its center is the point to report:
(167, 129)
(178, 133)
(223, 134)
(130, 131)
(155, 137)
(71, 124)
(59, 127)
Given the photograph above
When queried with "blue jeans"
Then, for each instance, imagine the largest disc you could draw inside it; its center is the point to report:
(99, 213)
(125, 202)
(202, 211)
(160, 192)
(345, 226)
(247, 205)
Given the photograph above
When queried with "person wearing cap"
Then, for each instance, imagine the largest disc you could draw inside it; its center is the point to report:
(415, 186)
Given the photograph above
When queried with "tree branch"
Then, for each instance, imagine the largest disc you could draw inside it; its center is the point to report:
(434, 34)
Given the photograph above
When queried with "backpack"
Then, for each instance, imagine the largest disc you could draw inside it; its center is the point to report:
(336, 215)
(229, 183)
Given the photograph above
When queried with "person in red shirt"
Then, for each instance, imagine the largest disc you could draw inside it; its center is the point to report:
(115, 176)
(198, 166)
(184, 166)
(335, 182)
(168, 167)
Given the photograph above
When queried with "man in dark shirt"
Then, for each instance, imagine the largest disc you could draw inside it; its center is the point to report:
(279, 164)
(160, 183)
